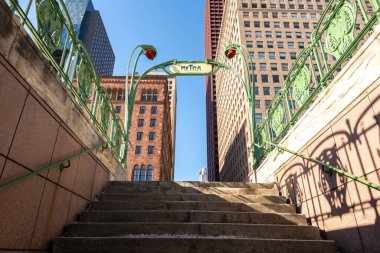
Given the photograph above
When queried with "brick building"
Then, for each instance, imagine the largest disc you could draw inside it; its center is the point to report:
(152, 128)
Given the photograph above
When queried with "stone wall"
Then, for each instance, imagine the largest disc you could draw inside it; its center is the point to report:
(41, 123)
(341, 128)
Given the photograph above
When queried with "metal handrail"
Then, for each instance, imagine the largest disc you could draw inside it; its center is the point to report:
(60, 163)
(311, 73)
(55, 33)
(325, 167)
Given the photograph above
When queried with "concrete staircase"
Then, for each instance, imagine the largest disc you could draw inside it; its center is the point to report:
(192, 217)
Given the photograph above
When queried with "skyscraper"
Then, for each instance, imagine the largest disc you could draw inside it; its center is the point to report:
(213, 19)
(274, 32)
(88, 22)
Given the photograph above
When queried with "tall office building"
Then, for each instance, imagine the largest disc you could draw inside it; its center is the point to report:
(213, 19)
(152, 132)
(88, 22)
(274, 32)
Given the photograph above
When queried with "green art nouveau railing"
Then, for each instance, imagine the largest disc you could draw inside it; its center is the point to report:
(311, 73)
(56, 38)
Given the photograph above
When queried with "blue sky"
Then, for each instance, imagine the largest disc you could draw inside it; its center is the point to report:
(175, 27)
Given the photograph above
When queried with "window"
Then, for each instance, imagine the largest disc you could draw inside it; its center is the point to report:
(149, 176)
(142, 109)
(265, 14)
(291, 6)
(280, 44)
(286, 25)
(144, 95)
(140, 122)
(303, 15)
(139, 136)
(298, 35)
(138, 150)
(254, 5)
(256, 24)
(277, 90)
(301, 6)
(247, 24)
(255, 14)
(246, 14)
(296, 25)
(284, 15)
(248, 34)
(266, 91)
(258, 34)
(118, 109)
(273, 66)
(263, 66)
(264, 79)
(293, 56)
(260, 44)
(135, 173)
(249, 44)
(153, 110)
(301, 45)
(288, 35)
(267, 104)
(266, 24)
(256, 91)
(270, 44)
(313, 16)
(282, 55)
(272, 55)
(306, 25)
(258, 117)
(151, 136)
(268, 34)
(150, 150)
(154, 95)
(153, 122)
(274, 14)
(276, 24)
(278, 35)
(257, 103)
(142, 173)
(282, 6)
(294, 15)
(284, 66)
(244, 5)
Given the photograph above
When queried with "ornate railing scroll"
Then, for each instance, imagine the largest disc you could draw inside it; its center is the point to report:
(56, 38)
(336, 36)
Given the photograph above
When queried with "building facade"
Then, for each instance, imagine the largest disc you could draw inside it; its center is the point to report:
(274, 32)
(88, 22)
(212, 21)
(152, 131)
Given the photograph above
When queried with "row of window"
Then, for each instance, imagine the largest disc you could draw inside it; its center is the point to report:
(149, 95)
(152, 136)
(153, 110)
(138, 150)
(284, 15)
(278, 34)
(260, 44)
(272, 66)
(272, 55)
(141, 122)
(267, 24)
(142, 174)
(283, 6)
(266, 91)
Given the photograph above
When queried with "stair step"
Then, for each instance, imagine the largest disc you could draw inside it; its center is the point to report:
(192, 205)
(177, 244)
(206, 190)
(192, 216)
(201, 229)
(192, 184)
(193, 197)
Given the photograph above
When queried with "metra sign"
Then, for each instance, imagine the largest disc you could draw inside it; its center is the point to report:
(191, 68)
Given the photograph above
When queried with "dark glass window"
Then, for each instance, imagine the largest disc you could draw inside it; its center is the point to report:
(138, 150)
(142, 173)
(149, 176)
(153, 110)
(141, 122)
(266, 91)
(142, 109)
(264, 79)
(139, 136)
(247, 24)
(135, 173)
(118, 109)
(153, 122)
(150, 150)
(151, 136)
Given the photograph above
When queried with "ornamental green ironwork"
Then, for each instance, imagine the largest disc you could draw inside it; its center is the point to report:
(278, 119)
(84, 76)
(301, 86)
(49, 24)
(118, 135)
(105, 112)
(340, 32)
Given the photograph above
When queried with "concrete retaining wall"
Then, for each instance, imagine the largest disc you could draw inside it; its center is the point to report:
(40, 123)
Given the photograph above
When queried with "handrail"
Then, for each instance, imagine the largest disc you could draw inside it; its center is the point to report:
(311, 72)
(326, 167)
(58, 41)
(60, 163)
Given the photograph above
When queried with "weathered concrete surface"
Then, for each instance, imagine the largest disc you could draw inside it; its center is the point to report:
(40, 123)
(341, 128)
(212, 224)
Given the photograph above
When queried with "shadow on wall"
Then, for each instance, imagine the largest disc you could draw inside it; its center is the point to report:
(235, 166)
(345, 211)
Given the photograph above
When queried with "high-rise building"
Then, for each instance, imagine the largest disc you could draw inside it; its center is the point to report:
(88, 22)
(213, 19)
(274, 33)
(152, 130)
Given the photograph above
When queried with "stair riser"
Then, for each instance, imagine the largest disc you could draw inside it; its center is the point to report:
(142, 245)
(206, 190)
(193, 197)
(253, 231)
(192, 184)
(206, 217)
(201, 206)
